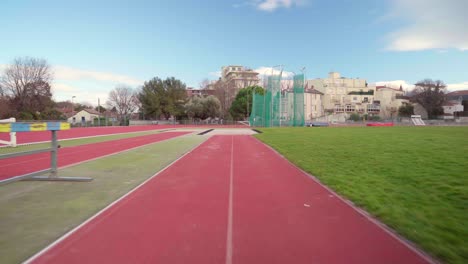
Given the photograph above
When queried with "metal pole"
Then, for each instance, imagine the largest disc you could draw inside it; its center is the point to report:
(53, 154)
(99, 111)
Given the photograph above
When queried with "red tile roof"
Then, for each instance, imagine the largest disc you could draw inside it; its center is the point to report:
(458, 93)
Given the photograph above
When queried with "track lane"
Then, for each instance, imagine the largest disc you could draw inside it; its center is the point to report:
(278, 215)
(16, 166)
(179, 216)
(80, 132)
(282, 216)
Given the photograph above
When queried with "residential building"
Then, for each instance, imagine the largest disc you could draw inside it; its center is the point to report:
(313, 106)
(233, 78)
(451, 107)
(458, 95)
(84, 116)
(345, 95)
(389, 99)
(199, 92)
(454, 105)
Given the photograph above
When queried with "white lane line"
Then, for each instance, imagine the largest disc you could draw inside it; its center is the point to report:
(410, 245)
(229, 226)
(69, 233)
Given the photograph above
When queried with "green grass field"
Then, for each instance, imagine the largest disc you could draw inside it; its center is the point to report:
(414, 179)
(34, 214)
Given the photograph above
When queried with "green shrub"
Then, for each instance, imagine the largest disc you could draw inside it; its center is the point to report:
(355, 117)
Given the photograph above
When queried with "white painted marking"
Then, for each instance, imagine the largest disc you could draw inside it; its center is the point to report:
(31, 259)
(229, 225)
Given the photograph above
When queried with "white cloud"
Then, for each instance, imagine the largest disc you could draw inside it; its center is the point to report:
(267, 71)
(62, 87)
(457, 86)
(430, 24)
(85, 85)
(216, 74)
(82, 96)
(67, 73)
(272, 5)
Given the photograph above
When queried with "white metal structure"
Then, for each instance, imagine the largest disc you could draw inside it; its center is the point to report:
(12, 142)
(417, 121)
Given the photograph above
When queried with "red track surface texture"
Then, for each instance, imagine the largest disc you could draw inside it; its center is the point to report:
(184, 215)
(31, 137)
(66, 156)
(40, 136)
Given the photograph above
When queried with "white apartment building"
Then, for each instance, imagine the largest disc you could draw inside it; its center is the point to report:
(313, 106)
(389, 99)
(234, 78)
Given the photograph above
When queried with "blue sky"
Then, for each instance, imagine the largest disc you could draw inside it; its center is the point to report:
(95, 45)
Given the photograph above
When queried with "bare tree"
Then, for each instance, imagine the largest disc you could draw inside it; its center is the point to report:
(205, 84)
(221, 90)
(26, 83)
(430, 95)
(125, 101)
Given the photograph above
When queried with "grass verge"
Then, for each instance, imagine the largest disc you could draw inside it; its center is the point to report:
(34, 214)
(414, 179)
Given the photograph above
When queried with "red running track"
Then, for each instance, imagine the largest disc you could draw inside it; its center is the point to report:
(231, 200)
(41, 136)
(17, 166)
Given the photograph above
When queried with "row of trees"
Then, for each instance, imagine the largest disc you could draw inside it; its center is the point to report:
(25, 93)
(162, 99)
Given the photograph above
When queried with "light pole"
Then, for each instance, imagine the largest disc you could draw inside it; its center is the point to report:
(73, 107)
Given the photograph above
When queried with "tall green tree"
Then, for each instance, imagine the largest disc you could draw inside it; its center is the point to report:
(203, 107)
(211, 107)
(241, 107)
(406, 110)
(162, 98)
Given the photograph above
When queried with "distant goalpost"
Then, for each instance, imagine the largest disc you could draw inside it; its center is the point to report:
(12, 141)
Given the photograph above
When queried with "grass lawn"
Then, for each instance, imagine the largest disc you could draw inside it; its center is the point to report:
(414, 179)
(76, 142)
(34, 214)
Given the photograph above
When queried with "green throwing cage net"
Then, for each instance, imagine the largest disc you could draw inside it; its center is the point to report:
(266, 107)
(279, 108)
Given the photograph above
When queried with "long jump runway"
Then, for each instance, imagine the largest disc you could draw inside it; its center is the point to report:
(231, 200)
(17, 166)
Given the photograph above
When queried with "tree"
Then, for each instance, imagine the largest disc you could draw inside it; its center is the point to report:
(26, 84)
(5, 108)
(203, 108)
(221, 92)
(430, 95)
(162, 97)
(406, 110)
(211, 107)
(100, 109)
(124, 100)
(194, 107)
(241, 107)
